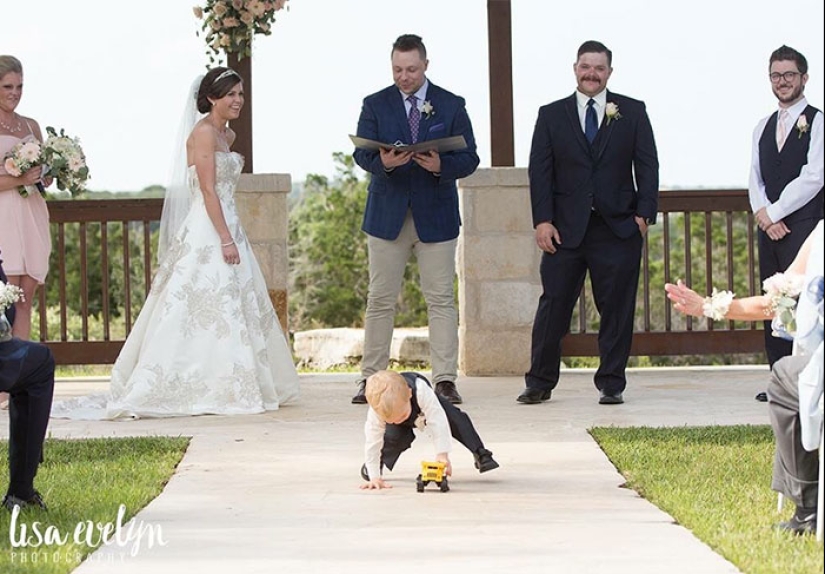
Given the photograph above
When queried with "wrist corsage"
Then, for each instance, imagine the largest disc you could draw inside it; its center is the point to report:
(716, 306)
(783, 295)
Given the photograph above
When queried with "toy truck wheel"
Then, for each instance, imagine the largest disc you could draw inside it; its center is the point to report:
(444, 486)
(419, 484)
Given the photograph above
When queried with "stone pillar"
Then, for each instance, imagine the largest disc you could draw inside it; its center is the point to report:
(263, 209)
(498, 278)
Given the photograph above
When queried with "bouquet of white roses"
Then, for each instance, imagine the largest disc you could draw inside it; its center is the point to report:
(783, 291)
(230, 24)
(65, 161)
(20, 159)
(9, 295)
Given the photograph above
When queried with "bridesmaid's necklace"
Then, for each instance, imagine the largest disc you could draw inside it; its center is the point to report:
(13, 130)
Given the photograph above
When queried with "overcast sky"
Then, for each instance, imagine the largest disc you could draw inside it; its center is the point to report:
(116, 73)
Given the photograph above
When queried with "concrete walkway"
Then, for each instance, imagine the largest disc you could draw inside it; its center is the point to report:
(278, 492)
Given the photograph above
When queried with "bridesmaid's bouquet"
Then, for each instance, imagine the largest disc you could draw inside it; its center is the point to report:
(21, 158)
(60, 155)
(65, 161)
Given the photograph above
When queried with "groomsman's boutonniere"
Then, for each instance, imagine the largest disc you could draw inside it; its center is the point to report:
(427, 109)
(611, 110)
(802, 125)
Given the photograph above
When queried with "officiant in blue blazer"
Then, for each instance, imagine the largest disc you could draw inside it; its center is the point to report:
(594, 188)
(412, 207)
(27, 374)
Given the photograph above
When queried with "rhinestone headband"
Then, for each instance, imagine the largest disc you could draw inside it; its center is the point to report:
(225, 74)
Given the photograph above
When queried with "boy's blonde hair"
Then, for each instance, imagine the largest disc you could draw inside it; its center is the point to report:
(388, 394)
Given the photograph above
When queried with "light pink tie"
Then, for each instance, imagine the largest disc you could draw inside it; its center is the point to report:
(781, 130)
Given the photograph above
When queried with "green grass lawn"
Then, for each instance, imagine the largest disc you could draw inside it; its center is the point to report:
(85, 480)
(715, 481)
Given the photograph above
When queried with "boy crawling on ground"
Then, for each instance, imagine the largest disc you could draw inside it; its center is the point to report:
(402, 402)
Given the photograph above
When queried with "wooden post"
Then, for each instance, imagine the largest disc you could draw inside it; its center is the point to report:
(499, 33)
(243, 125)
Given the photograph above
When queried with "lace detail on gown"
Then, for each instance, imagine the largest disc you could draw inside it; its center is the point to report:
(207, 340)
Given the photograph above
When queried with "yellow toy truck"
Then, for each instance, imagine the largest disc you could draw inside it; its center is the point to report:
(432, 472)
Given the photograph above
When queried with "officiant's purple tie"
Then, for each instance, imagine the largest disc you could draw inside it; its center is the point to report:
(414, 118)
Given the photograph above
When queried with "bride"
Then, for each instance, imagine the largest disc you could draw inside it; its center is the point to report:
(207, 340)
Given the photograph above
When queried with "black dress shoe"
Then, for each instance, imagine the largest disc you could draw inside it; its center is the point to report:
(35, 501)
(532, 396)
(360, 397)
(762, 397)
(447, 390)
(606, 398)
(799, 524)
(484, 460)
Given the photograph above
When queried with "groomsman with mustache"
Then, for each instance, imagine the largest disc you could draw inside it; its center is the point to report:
(594, 187)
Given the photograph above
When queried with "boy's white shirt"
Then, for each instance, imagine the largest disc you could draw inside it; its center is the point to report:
(432, 420)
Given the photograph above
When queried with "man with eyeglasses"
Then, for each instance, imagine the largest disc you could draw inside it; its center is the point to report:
(786, 177)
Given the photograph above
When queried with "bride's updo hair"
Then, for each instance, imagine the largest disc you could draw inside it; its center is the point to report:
(216, 84)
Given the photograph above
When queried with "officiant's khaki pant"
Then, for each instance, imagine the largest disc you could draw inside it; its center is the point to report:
(795, 470)
(436, 264)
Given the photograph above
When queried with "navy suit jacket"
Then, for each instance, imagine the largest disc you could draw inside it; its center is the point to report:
(433, 200)
(618, 175)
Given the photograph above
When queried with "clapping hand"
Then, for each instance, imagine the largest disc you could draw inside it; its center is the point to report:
(685, 300)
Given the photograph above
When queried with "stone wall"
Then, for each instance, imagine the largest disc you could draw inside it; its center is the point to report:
(498, 281)
(497, 262)
(263, 209)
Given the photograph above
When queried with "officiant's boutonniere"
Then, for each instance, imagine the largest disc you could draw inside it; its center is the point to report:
(802, 125)
(611, 110)
(427, 109)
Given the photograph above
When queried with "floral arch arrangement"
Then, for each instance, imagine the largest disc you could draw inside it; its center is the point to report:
(230, 24)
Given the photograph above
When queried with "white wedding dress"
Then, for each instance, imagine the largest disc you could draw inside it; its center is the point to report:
(207, 340)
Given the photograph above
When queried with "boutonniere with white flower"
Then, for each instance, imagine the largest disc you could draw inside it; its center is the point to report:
(611, 110)
(802, 125)
(427, 109)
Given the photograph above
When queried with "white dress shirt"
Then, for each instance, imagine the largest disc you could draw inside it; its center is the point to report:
(804, 188)
(421, 94)
(599, 103)
(432, 420)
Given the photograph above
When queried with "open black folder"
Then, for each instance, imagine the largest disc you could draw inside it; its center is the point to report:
(440, 145)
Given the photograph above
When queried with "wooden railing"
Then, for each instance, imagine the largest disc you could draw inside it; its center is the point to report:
(120, 229)
(86, 322)
(689, 218)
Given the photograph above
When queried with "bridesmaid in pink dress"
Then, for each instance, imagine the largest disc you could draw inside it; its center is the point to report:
(24, 221)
